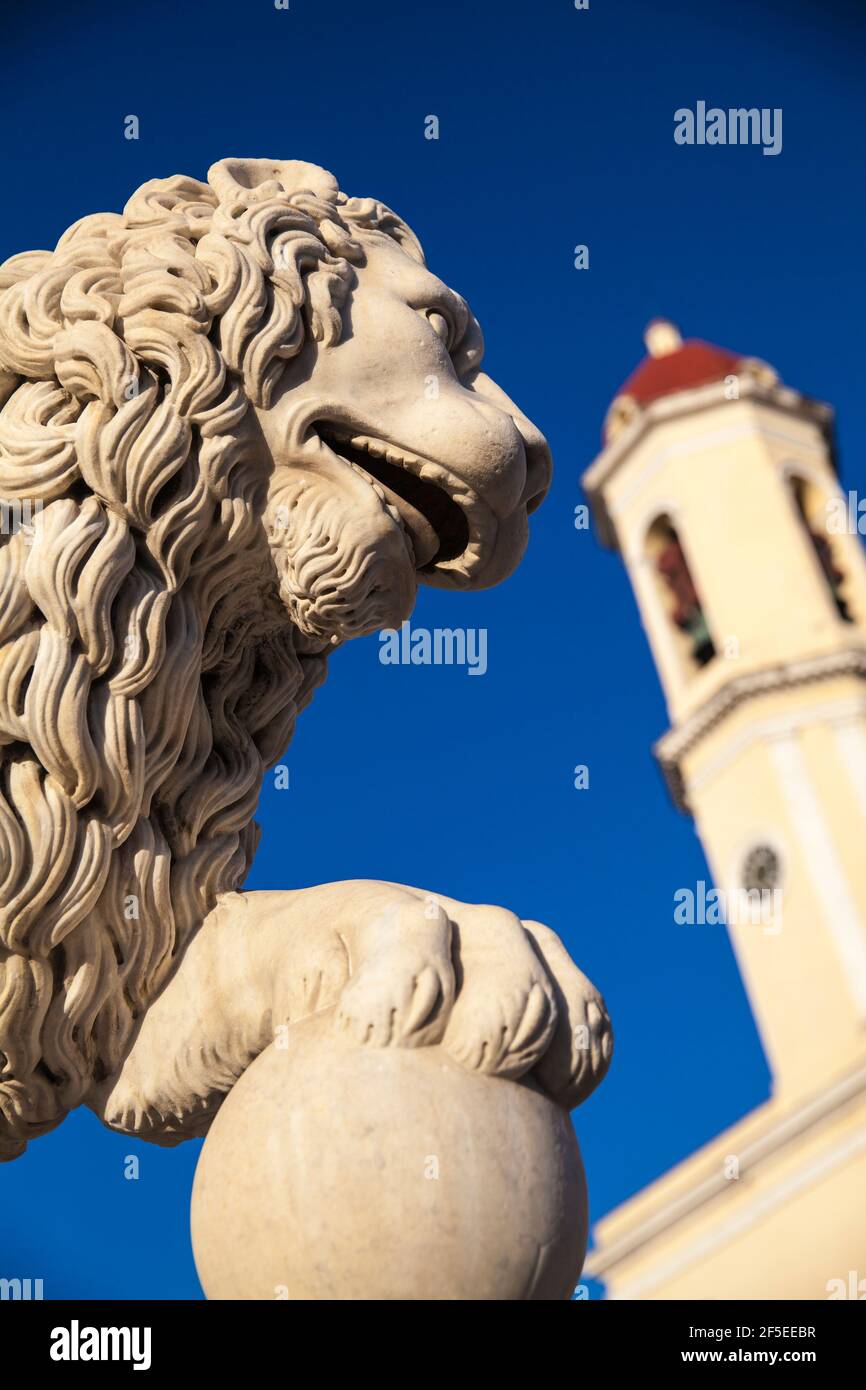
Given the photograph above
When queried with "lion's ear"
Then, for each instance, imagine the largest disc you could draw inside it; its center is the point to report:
(254, 180)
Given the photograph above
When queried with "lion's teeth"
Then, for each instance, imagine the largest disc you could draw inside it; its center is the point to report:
(481, 522)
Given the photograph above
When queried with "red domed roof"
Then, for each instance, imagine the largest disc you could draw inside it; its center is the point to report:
(694, 364)
(671, 366)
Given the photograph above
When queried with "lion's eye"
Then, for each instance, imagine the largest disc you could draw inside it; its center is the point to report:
(440, 325)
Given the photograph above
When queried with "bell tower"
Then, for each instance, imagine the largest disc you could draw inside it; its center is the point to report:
(717, 485)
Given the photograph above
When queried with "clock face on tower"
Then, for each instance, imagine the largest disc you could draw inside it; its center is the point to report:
(762, 869)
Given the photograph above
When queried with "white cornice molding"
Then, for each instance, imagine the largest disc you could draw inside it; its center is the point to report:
(819, 1110)
(677, 405)
(778, 1196)
(673, 745)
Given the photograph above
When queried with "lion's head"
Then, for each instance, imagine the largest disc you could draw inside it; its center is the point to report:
(242, 421)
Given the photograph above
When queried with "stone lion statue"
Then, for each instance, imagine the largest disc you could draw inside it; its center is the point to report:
(241, 422)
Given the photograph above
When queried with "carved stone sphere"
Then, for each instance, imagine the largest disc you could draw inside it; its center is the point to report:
(334, 1171)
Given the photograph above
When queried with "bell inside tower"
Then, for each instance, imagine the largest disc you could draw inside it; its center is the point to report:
(680, 593)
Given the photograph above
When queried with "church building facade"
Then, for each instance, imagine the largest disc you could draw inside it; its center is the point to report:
(717, 485)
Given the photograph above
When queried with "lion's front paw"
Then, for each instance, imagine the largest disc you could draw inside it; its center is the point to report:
(399, 999)
(505, 1033)
(505, 1012)
(582, 1044)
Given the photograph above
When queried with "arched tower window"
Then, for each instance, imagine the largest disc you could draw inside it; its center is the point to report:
(810, 503)
(678, 591)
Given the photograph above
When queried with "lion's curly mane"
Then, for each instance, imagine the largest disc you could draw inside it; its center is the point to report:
(143, 692)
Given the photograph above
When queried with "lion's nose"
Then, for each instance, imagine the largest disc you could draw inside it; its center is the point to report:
(539, 465)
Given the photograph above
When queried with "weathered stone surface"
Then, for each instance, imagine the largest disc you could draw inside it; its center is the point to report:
(240, 423)
(386, 1174)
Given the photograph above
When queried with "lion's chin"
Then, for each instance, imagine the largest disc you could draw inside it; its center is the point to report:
(342, 573)
(337, 620)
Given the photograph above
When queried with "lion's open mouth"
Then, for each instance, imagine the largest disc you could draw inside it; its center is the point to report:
(423, 493)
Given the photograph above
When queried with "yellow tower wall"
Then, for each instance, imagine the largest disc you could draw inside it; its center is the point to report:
(767, 750)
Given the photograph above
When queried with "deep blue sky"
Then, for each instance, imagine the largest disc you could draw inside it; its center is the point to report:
(556, 129)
